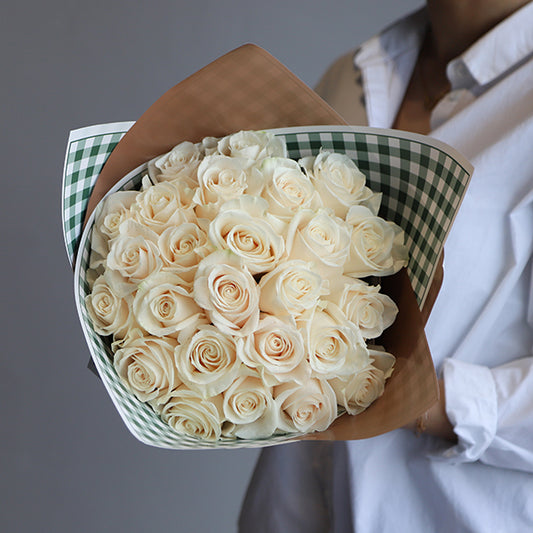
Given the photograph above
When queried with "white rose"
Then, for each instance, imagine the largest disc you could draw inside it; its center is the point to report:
(356, 393)
(163, 306)
(208, 145)
(180, 163)
(163, 205)
(366, 307)
(276, 350)
(334, 344)
(320, 237)
(243, 227)
(134, 253)
(183, 247)
(110, 313)
(382, 359)
(207, 361)
(254, 145)
(146, 367)
(248, 404)
(188, 413)
(110, 214)
(287, 188)
(222, 178)
(338, 181)
(306, 408)
(290, 289)
(224, 287)
(377, 246)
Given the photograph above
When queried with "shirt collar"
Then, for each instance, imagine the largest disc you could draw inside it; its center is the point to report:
(386, 62)
(498, 51)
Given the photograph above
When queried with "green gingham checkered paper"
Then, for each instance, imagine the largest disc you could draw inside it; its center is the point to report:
(87, 151)
(422, 181)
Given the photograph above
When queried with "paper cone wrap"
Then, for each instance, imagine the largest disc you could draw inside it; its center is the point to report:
(422, 182)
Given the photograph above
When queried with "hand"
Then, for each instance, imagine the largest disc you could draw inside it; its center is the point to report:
(435, 420)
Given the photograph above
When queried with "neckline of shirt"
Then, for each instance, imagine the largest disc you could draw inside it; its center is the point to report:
(395, 50)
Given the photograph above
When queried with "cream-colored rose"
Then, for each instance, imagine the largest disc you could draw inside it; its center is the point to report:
(250, 409)
(222, 178)
(110, 313)
(243, 227)
(207, 360)
(180, 163)
(164, 205)
(320, 237)
(188, 413)
(224, 287)
(365, 306)
(287, 188)
(356, 393)
(145, 365)
(290, 289)
(382, 359)
(276, 350)
(306, 408)
(208, 146)
(183, 247)
(339, 182)
(254, 145)
(134, 253)
(377, 246)
(110, 213)
(163, 306)
(335, 345)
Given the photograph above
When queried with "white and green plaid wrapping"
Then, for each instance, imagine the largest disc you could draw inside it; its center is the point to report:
(87, 151)
(422, 181)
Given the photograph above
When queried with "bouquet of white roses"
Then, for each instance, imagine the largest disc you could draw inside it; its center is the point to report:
(232, 286)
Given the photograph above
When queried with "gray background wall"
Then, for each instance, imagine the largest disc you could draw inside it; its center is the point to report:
(67, 462)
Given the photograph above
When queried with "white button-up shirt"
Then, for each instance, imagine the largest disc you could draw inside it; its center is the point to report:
(483, 315)
(480, 331)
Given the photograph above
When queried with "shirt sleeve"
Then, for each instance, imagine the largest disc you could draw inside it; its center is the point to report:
(492, 413)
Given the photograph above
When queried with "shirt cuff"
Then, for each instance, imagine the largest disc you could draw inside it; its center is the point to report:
(472, 407)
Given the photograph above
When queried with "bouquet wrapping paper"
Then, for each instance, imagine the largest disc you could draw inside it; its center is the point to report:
(422, 182)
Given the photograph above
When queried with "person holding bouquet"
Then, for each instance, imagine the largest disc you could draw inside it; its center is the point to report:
(460, 71)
